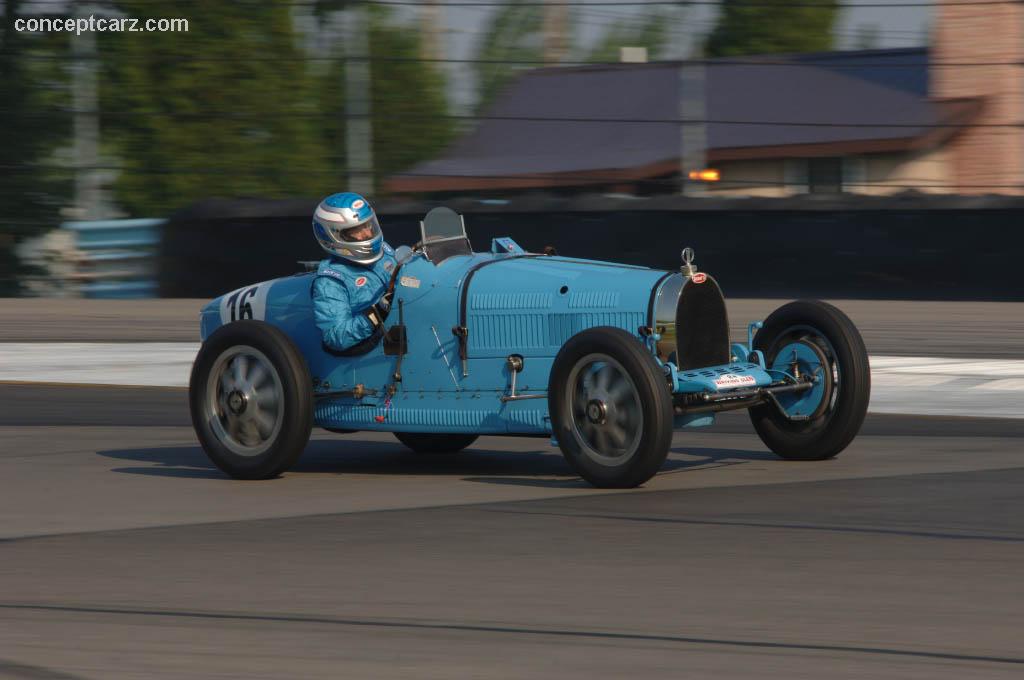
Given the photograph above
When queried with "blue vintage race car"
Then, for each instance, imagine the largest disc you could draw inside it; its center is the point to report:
(606, 359)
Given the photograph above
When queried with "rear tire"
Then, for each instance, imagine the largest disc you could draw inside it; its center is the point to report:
(429, 442)
(251, 400)
(611, 409)
(833, 425)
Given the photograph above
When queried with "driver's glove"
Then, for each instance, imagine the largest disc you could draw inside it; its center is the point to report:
(378, 313)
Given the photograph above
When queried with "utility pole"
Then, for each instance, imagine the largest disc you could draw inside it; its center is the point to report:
(693, 135)
(556, 28)
(86, 120)
(358, 125)
(431, 22)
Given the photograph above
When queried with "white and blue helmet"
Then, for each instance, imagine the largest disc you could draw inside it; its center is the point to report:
(338, 224)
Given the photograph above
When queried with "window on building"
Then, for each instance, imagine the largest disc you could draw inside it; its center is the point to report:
(825, 175)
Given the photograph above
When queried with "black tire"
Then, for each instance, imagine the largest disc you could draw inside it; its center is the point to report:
(606, 389)
(428, 442)
(246, 374)
(833, 427)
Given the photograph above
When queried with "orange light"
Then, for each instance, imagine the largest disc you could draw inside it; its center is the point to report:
(707, 175)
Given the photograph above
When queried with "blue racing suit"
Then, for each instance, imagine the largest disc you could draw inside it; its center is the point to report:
(343, 292)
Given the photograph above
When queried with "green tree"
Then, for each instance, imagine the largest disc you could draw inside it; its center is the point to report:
(32, 190)
(226, 109)
(744, 29)
(513, 34)
(649, 31)
(409, 106)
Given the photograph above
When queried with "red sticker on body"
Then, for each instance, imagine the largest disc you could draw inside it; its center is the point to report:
(360, 282)
(700, 277)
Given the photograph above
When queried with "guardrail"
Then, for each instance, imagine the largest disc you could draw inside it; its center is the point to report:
(116, 258)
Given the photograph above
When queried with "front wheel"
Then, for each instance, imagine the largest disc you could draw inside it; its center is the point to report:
(251, 400)
(611, 409)
(815, 339)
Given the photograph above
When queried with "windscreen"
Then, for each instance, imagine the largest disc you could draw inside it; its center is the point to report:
(444, 235)
(441, 223)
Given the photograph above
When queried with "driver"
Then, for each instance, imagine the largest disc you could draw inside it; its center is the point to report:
(349, 290)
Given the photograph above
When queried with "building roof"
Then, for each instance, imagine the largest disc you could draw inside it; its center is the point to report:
(614, 123)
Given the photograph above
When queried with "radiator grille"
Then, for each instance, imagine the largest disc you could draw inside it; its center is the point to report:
(702, 326)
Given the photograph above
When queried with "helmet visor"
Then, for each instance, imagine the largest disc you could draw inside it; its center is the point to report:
(366, 231)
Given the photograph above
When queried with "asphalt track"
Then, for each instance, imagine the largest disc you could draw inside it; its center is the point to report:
(125, 554)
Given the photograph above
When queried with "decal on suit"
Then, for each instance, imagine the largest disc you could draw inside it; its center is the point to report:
(360, 282)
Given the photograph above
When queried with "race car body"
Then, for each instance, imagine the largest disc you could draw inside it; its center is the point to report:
(609, 359)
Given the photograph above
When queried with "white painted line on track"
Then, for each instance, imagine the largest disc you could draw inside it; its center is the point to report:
(910, 385)
(159, 364)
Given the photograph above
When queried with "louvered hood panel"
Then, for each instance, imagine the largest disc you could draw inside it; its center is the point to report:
(533, 305)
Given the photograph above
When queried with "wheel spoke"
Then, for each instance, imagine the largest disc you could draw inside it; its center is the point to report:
(628, 412)
(239, 368)
(587, 382)
(234, 428)
(604, 377)
(267, 397)
(263, 423)
(257, 375)
(227, 383)
(617, 435)
(600, 440)
(619, 390)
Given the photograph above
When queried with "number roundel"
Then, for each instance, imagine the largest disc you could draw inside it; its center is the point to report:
(249, 302)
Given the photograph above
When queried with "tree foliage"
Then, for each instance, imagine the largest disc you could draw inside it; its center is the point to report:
(225, 109)
(31, 126)
(650, 32)
(744, 29)
(513, 34)
(409, 106)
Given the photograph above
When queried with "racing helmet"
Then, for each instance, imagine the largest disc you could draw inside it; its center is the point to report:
(346, 227)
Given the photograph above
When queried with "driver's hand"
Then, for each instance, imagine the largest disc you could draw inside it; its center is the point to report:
(385, 301)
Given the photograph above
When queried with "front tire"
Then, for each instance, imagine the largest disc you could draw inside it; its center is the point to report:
(611, 409)
(810, 328)
(251, 400)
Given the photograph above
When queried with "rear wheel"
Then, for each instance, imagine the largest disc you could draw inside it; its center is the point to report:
(813, 338)
(251, 400)
(430, 442)
(611, 410)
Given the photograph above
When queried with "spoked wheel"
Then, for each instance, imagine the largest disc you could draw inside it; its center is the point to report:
(606, 415)
(245, 400)
(251, 400)
(813, 340)
(610, 408)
